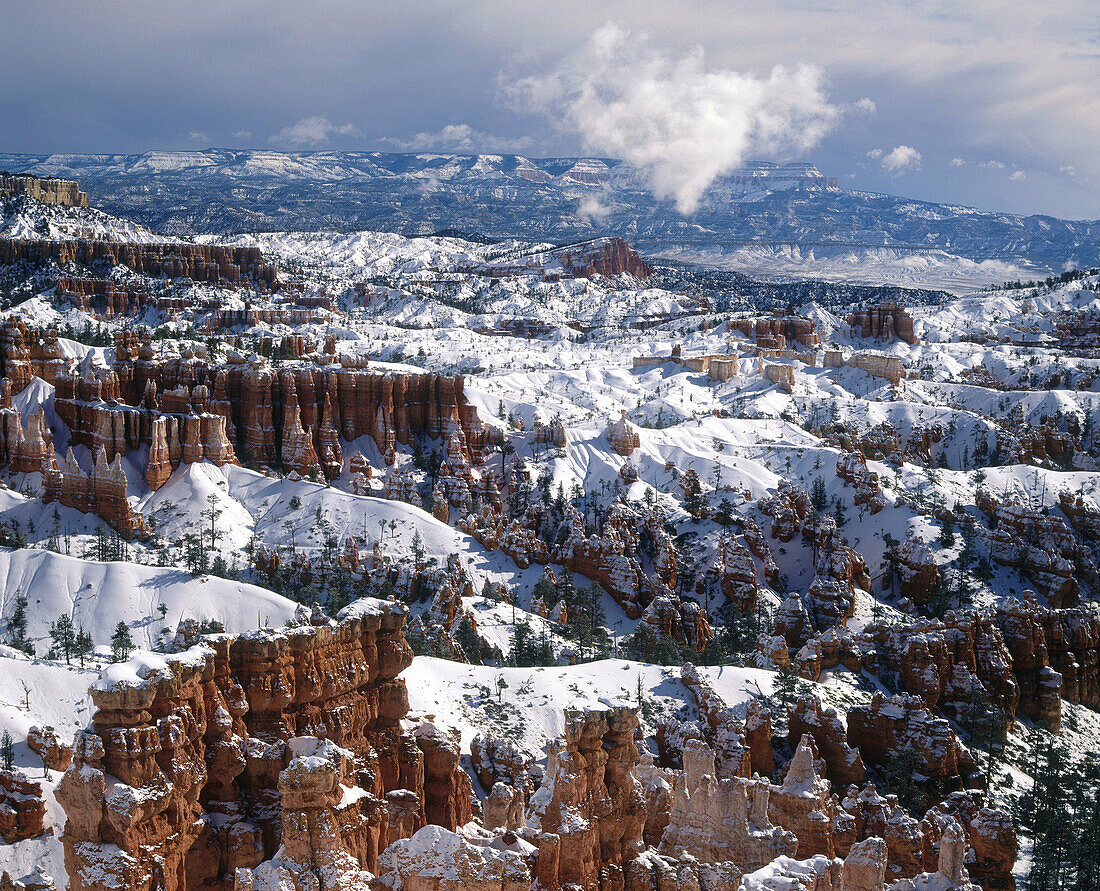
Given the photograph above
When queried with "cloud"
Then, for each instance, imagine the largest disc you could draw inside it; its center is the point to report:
(311, 132)
(1018, 176)
(901, 158)
(243, 135)
(679, 123)
(461, 138)
(957, 162)
(875, 154)
(866, 105)
(594, 210)
(992, 165)
(1068, 170)
(198, 136)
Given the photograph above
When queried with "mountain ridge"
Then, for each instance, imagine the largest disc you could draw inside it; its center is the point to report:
(806, 224)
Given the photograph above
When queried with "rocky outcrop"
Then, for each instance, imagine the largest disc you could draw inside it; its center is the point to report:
(55, 754)
(852, 468)
(843, 763)
(215, 412)
(883, 321)
(840, 570)
(795, 329)
(716, 820)
(589, 812)
(1041, 546)
(790, 510)
(182, 779)
(890, 368)
(212, 264)
(102, 492)
(22, 807)
(48, 190)
(622, 438)
(312, 792)
(435, 859)
(889, 725)
(919, 576)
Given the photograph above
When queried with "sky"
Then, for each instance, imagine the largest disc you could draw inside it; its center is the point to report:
(988, 103)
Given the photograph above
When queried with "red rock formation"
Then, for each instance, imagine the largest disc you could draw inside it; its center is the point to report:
(312, 792)
(209, 731)
(883, 321)
(1042, 546)
(22, 808)
(843, 763)
(717, 820)
(790, 509)
(622, 438)
(103, 492)
(890, 725)
(852, 468)
(797, 329)
(55, 754)
(739, 750)
(918, 573)
(831, 596)
(591, 818)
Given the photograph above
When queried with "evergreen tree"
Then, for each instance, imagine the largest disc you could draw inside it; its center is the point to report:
(83, 645)
(63, 635)
(785, 695)
(17, 624)
(7, 750)
(122, 645)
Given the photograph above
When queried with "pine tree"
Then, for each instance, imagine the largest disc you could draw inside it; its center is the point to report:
(17, 624)
(122, 645)
(83, 645)
(63, 635)
(7, 750)
(786, 691)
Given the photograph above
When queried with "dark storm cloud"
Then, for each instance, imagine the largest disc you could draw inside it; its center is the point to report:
(968, 82)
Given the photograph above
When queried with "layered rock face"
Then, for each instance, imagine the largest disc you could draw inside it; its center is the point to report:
(717, 820)
(213, 264)
(47, 190)
(883, 321)
(192, 772)
(186, 409)
(889, 368)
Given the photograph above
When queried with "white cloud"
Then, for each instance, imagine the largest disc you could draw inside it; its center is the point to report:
(198, 136)
(957, 162)
(311, 132)
(875, 154)
(243, 135)
(461, 138)
(992, 165)
(1068, 170)
(678, 122)
(901, 158)
(866, 105)
(594, 210)
(1018, 176)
